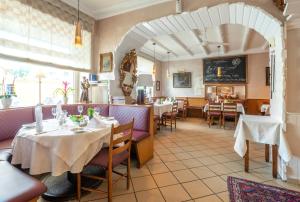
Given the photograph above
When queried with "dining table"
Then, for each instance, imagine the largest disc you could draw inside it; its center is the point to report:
(239, 107)
(60, 150)
(160, 108)
(262, 129)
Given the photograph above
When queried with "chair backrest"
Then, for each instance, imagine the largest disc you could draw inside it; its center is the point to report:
(213, 106)
(230, 107)
(185, 104)
(175, 107)
(122, 143)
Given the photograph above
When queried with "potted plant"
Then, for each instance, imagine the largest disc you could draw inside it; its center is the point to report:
(7, 93)
(65, 91)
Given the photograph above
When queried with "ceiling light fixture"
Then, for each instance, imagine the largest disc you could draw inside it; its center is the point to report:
(168, 69)
(219, 69)
(78, 31)
(154, 63)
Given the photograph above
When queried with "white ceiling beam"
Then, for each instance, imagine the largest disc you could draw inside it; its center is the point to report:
(220, 33)
(246, 37)
(164, 47)
(203, 48)
(180, 43)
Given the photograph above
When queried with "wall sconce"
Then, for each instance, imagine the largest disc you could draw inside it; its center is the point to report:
(219, 71)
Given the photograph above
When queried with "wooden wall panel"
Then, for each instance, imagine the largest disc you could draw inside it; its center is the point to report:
(252, 106)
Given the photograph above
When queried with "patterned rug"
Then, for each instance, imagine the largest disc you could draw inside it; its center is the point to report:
(241, 190)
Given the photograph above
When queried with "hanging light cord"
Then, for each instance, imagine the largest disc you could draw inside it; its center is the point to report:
(78, 11)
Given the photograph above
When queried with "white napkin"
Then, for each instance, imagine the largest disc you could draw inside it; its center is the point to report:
(38, 118)
(95, 123)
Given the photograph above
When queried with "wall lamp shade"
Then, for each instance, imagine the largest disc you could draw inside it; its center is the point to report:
(145, 80)
(219, 72)
(78, 35)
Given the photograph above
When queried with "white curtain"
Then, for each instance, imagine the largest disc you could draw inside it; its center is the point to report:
(27, 32)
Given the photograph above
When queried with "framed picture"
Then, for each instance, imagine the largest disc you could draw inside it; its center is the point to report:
(268, 76)
(106, 60)
(182, 80)
(157, 85)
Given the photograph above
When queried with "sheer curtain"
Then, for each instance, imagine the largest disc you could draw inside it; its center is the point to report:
(30, 30)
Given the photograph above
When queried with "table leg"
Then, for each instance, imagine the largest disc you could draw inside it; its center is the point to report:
(274, 160)
(246, 157)
(267, 152)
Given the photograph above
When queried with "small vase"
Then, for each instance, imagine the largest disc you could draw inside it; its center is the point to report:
(6, 102)
(65, 100)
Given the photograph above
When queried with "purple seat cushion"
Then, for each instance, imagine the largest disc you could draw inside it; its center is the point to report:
(214, 113)
(101, 159)
(5, 154)
(124, 114)
(11, 121)
(138, 135)
(16, 185)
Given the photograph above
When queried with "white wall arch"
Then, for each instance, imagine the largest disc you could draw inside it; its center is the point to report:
(207, 17)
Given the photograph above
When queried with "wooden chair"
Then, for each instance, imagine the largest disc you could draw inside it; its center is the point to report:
(230, 111)
(183, 110)
(214, 111)
(117, 153)
(169, 118)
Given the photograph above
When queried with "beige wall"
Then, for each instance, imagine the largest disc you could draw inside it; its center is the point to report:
(256, 87)
(110, 31)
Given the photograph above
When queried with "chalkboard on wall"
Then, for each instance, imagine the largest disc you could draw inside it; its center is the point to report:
(233, 70)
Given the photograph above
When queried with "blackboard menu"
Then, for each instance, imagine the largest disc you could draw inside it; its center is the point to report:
(225, 70)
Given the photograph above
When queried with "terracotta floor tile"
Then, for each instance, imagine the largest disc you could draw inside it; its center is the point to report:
(185, 176)
(165, 179)
(197, 189)
(203, 172)
(143, 183)
(152, 195)
(216, 184)
(174, 193)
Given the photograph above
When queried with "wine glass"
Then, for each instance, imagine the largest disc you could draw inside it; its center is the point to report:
(53, 111)
(80, 109)
(97, 110)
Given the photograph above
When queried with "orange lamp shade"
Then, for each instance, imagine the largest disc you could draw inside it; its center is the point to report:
(219, 72)
(78, 35)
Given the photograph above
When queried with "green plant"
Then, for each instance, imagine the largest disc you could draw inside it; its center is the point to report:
(7, 96)
(65, 91)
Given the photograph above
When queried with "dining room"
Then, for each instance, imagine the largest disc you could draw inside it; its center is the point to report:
(149, 100)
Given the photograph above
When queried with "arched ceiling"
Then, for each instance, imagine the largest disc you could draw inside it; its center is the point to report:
(183, 34)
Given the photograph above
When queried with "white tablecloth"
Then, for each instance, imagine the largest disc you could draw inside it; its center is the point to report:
(261, 129)
(60, 149)
(239, 108)
(159, 109)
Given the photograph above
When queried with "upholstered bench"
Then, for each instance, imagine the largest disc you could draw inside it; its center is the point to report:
(142, 137)
(16, 186)
(11, 120)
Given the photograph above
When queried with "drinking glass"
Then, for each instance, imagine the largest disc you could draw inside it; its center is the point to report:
(80, 109)
(97, 110)
(53, 111)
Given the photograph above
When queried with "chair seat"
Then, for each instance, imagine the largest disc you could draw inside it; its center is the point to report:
(5, 155)
(229, 113)
(168, 114)
(18, 186)
(217, 113)
(101, 159)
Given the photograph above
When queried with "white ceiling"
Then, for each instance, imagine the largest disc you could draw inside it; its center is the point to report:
(292, 10)
(100, 9)
(187, 44)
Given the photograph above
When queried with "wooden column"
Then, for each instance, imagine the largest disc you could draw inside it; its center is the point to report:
(274, 160)
(246, 157)
(267, 152)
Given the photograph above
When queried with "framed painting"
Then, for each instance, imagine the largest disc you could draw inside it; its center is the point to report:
(157, 85)
(106, 60)
(268, 76)
(182, 80)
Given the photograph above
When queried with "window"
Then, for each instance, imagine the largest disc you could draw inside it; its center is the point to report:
(27, 32)
(145, 66)
(22, 77)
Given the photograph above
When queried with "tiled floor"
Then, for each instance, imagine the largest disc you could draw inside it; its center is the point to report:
(191, 164)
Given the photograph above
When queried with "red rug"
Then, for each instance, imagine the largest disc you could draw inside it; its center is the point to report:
(241, 190)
